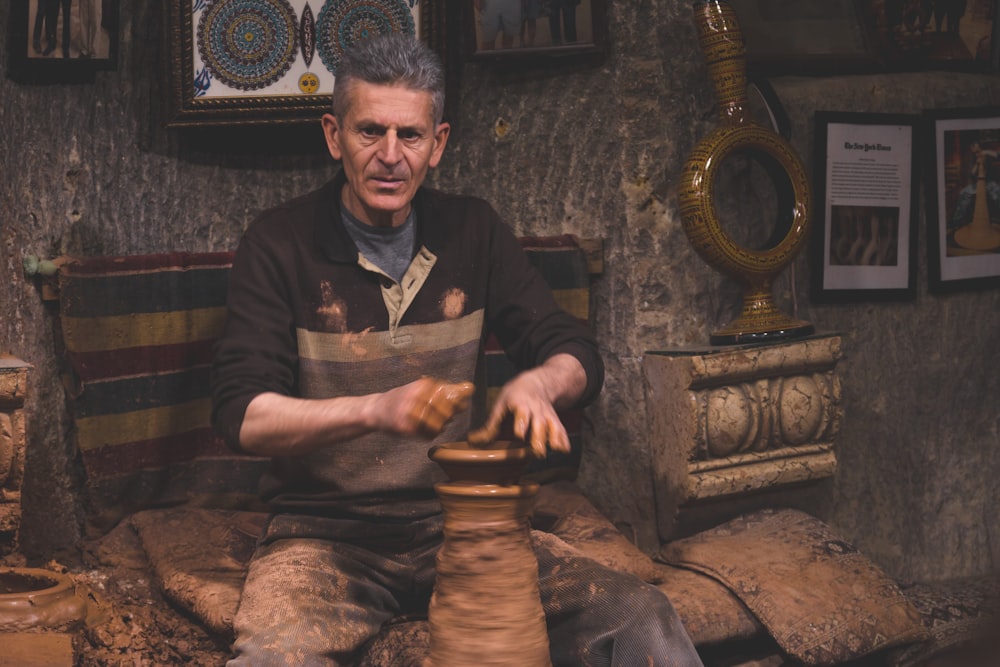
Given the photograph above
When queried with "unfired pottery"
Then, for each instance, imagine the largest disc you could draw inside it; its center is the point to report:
(486, 609)
(33, 598)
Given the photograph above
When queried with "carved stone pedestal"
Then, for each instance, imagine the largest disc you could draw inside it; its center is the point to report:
(13, 388)
(735, 420)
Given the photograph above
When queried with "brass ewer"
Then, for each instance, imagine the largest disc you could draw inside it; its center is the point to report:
(760, 320)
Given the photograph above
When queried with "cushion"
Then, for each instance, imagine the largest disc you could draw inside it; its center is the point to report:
(820, 599)
(710, 613)
(563, 510)
(958, 614)
(200, 558)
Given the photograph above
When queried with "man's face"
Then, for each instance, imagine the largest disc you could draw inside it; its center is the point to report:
(386, 143)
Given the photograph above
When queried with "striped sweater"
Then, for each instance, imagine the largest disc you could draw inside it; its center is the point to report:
(308, 316)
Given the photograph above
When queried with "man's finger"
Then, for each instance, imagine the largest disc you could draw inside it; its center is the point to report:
(539, 439)
(491, 429)
(449, 399)
(460, 393)
(558, 439)
(438, 404)
(481, 437)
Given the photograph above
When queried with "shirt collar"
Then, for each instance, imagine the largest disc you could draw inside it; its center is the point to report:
(338, 246)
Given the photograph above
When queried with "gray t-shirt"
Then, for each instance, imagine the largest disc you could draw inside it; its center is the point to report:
(388, 248)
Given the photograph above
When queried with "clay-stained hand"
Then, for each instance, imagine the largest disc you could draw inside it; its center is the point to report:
(422, 407)
(526, 400)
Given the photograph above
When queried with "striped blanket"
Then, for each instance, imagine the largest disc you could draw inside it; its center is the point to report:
(138, 334)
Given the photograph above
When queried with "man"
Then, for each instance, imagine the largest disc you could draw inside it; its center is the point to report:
(357, 317)
(562, 21)
(498, 17)
(89, 11)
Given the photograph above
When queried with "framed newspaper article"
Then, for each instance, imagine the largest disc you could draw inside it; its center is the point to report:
(864, 239)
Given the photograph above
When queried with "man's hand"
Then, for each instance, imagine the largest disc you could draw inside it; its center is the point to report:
(531, 399)
(422, 407)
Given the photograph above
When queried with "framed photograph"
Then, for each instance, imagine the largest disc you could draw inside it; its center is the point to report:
(528, 28)
(806, 36)
(62, 41)
(963, 199)
(864, 241)
(940, 34)
(246, 62)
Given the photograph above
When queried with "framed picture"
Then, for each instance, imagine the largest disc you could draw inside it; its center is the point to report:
(940, 34)
(530, 28)
(864, 242)
(245, 62)
(805, 36)
(62, 41)
(963, 199)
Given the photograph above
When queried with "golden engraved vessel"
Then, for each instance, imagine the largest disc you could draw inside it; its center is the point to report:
(760, 320)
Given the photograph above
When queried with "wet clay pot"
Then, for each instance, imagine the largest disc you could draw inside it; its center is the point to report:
(500, 462)
(486, 609)
(33, 598)
(721, 40)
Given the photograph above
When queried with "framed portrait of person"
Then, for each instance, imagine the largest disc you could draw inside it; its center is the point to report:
(62, 41)
(525, 29)
(963, 198)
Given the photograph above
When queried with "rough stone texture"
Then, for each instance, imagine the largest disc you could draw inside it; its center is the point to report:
(592, 148)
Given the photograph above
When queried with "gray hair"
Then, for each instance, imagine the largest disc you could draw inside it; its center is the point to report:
(390, 59)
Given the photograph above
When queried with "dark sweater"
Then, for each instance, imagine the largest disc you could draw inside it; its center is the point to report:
(308, 317)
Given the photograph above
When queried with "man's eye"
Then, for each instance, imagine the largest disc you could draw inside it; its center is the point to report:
(369, 132)
(409, 135)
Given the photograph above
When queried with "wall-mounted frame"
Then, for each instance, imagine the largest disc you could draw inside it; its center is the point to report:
(58, 41)
(806, 36)
(944, 34)
(247, 62)
(534, 28)
(963, 198)
(864, 241)
(823, 37)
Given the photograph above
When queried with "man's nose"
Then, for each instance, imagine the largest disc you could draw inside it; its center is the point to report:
(389, 151)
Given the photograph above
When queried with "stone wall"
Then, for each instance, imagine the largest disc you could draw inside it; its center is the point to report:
(591, 148)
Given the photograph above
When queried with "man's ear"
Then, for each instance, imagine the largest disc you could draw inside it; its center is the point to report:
(331, 130)
(441, 133)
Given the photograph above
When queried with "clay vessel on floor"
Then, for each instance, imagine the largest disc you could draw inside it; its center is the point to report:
(33, 599)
